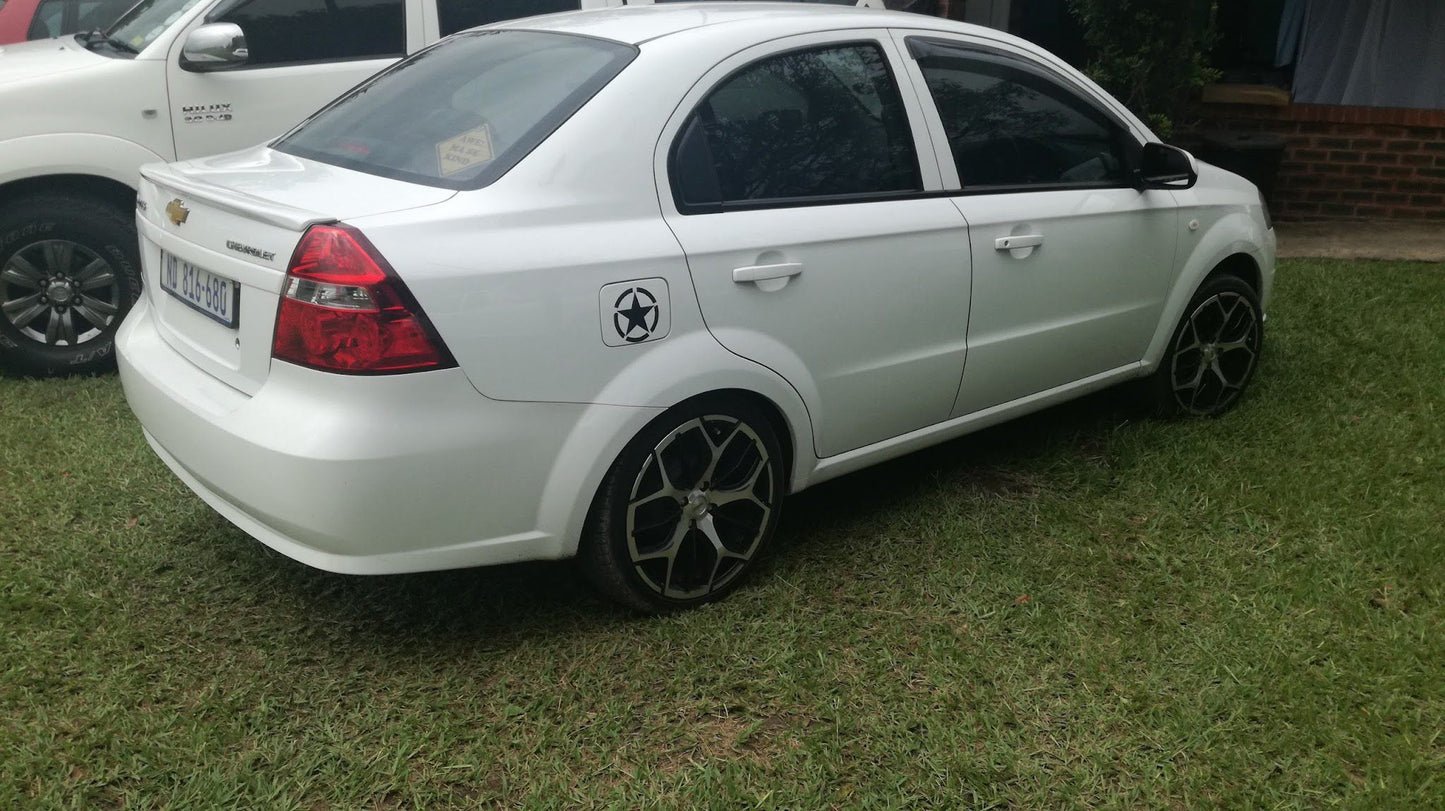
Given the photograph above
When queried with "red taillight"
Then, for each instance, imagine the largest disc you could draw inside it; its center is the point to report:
(344, 310)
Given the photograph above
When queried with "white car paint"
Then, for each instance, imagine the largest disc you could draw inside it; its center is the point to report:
(140, 102)
(56, 89)
(79, 123)
(867, 353)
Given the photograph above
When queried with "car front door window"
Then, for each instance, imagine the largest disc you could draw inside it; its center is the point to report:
(1010, 126)
(280, 32)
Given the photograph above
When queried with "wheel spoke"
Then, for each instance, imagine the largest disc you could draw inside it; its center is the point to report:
(743, 493)
(662, 492)
(19, 271)
(1224, 316)
(96, 312)
(1219, 373)
(709, 531)
(667, 485)
(1249, 363)
(1244, 343)
(673, 546)
(669, 552)
(59, 253)
(95, 275)
(67, 327)
(733, 496)
(22, 311)
(1194, 344)
(716, 448)
(1193, 384)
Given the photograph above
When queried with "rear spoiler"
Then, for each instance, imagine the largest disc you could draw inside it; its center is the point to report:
(236, 202)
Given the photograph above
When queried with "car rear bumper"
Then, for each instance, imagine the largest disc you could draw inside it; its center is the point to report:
(364, 475)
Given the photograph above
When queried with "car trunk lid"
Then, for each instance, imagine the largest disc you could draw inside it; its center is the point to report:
(217, 235)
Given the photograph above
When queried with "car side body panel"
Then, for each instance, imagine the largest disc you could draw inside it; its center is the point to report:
(510, 448)
(1222, 218)
(76, 153)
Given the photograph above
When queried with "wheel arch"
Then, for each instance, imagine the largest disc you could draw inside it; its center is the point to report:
(100, 166)
(1234, 246)
(1240, 265)
(110, 191)
(588, 454)
(770, 410)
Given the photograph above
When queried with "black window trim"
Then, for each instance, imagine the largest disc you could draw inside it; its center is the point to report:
(214, 15)
(497, 170)
(578, 6)
(918, 49)
(688, 209)
(922, 47)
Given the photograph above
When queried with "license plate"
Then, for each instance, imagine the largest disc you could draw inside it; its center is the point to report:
(216, 296)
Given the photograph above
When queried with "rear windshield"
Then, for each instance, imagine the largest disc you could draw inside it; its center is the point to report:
(460, 114)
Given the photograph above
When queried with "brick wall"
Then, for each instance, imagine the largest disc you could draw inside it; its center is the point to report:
(1349, 162)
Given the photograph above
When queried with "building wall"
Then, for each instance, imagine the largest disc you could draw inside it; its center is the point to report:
(1357, 163)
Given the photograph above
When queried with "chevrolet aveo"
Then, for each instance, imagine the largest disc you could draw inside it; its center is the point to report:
(611, 284)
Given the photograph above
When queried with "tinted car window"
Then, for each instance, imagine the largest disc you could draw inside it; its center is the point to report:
(284, 31)
(93, 14)
(459, 15)
(48, 20)
(148, 19)
(460, 114)
(1010, 126)
(816, 123)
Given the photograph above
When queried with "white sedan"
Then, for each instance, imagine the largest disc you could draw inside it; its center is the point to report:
(611, 284)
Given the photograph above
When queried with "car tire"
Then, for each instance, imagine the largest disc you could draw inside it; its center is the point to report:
(1213, 353)
(69, 272)
(687, 508)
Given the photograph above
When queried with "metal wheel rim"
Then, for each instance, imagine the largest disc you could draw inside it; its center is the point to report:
(59, 292)
(699, 507)
(1216, 353)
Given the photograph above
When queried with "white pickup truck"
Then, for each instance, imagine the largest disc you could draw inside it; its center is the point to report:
(172, 79)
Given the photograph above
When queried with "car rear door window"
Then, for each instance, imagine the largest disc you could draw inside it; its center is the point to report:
(459, 15)
(280, 32)
(463, 112)
(1010, 125)
(810, 125)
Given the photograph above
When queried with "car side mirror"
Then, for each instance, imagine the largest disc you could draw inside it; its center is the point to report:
(213, 47)
(1166, 167)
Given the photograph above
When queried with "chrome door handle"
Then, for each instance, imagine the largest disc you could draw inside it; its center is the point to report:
(759, 273)
(1019, 241)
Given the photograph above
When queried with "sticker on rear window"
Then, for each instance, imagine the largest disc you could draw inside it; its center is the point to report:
(464, 151)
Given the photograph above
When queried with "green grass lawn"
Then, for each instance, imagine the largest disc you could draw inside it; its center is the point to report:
(1081, 608)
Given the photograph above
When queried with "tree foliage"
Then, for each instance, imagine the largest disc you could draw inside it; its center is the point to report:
(1151, 54)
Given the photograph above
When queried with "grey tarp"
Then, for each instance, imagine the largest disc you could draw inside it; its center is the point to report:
(1372, 53)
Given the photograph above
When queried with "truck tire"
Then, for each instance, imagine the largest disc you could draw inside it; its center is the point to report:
(69, 272)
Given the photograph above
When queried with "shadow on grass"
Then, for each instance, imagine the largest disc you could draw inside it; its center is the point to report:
(503, 605)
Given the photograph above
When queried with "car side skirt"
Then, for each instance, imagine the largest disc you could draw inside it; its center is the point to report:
(844, 463)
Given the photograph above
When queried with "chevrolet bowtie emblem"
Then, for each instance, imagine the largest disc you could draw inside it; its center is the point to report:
(177, 211)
